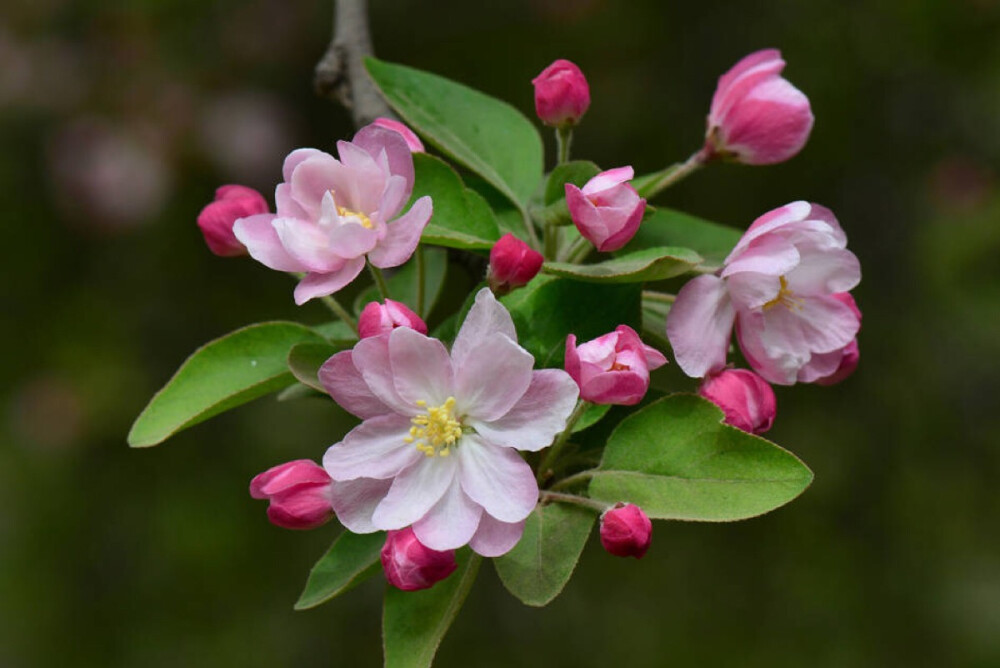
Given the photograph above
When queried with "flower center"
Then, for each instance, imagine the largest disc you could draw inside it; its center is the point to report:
(785, 297)
(436, 430)
(618, 366)
(358, 217)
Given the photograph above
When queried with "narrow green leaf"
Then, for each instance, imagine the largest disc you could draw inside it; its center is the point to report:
(541, 563)
(676, 460)
(650, 264)
(351, 560)
(488, 136)
(403, 282)
(414, 622)
(222, 374)
(305, 359)
(577, 172)
(462, 218)
(668, 227)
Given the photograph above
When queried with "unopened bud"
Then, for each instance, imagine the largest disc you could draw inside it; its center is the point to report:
(216, 220)
(410, 565)
(378, 319)
(513, 263)
(746, 399)
(299, 492)
(562, 94)
(626, 531)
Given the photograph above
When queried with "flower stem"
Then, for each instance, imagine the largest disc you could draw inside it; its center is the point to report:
(376, 273)
(571, 480)
(564, 138)
(529, 226)
(651, 186)
(545, 496)
(560, 442)
(661, 297)
(421, 281)
(340, 311)
(551, 241)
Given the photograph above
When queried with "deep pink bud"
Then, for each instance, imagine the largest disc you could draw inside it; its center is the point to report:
(378, 319)
(614, 368)
(562, 95)
(216, 220)
(626, 531)
(512, 264)
(607, 210)
(746, 399)
(299, 492)
(757, 117)
(412, 140)
(410, 565)
(850, 354)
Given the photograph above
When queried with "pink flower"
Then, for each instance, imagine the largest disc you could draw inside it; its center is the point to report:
(746, 399)
(626, 531)
(562, 95)
(216, 219)
(299, 492)
(437, 449)
(757, 117)
(412, 140)
(614, 368)
(332, 214)
(777, 286)
(410, 565)
(843, 361)
(513, 263)
(607, 211)
(378, 319)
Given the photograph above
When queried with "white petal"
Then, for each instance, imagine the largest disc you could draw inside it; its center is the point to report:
(538, 416)
(421, 367)
(494, 538)
(354, 501)
(451, 523)
(497, 479)
(374, 449)
(487, 316)
(493, 378)
(415, 491)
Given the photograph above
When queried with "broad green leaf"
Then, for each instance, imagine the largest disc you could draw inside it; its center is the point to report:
(462, 218)
(300, 391)
(541, 563)
(508, 216)
(403, 284)
(649, 264)
(222, 374)
(352, 559)
(414, 622)
(548, 309)
(591, 416)
(577, 172)
(338, 333)
(668, 227)
(488, 136)
(305, 359)
(676, 460)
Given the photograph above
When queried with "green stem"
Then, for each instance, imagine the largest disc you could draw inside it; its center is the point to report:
(529, 227)
(551, 240)
(340, 311)
(661, 297)
(569, 481)
(661, 181)
(376, 273)
(580, 251)
(545, 496)
(556, 448)
(421, 281)
(564, 138)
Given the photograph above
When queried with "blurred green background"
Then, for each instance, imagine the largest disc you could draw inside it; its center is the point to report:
(117, 121)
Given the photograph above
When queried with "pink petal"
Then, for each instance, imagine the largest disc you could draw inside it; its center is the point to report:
(749, 290)
(402, 235)
(320, 285)
(416, 490)
(495, 538)
(487, 316)
(308, 244)
(361, 180)
(699, 325)
(350, 239)
(258, 235)
(824, 273)
(371, 358)
(374, 449)
(451, 523)
(770, 125)
(312, 179)
(770, 254)
(492, 380)
(375, 140)
(393, 198)
(354, 501)
(497, 479)
(421, 367)
(537, 417)
(348, 388)
(607, 179)
(285, 204)
(297, 157)
(769, 58)
(770, 221)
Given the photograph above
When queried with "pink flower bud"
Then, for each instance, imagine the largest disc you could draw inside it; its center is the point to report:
(412, 140)
(849, 355)
(562, 95)
(614, 368)
(607, 211)
(216, 220)
(746, 399)
(626, 531)
(757, 117)
(410, 565)
(512, 264)
(299, 492)
(378, 319)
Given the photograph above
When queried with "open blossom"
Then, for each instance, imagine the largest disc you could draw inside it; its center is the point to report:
(562, 95)
(614, 368)
(216, 220)
(410, 565)
(756, 116)
(778, 287)
(437, 449)
(332, 214)
(378, 319)
(412, 140)
(745, 398)
(299, 494)
(607, 210)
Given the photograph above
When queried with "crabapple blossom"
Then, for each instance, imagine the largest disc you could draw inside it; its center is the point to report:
(746, 399)
(777, 286)
(626, 531)
(613, 368)
(437, 448)
(412, 140)
(299, 492)
(513, 263)
(607, 210)
(562, 94)
(333, 213)
(231, 203)
(410, 565)
(378, 319)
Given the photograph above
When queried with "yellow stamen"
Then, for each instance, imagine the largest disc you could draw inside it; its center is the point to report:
(359, 217)
(436, 430)
(785, 297)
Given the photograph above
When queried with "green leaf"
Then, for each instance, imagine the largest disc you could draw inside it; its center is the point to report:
(462, 218)
(548, 309)
(352, 559)
(305, 359)
(676, 460)
(591, 416)
(414, 622)
(650, 264)
(577, 172)
(222, 374)
(668, 227)
(541, 563)
(300, 391)
(488, 136)
(403, 283)
(338, 332)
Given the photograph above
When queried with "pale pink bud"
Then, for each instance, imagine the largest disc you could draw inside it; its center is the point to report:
(562, 95)
(378, 319)
(412, 140)
(512, 264)
(626, 531)
(216, 220)
(757, 117)
(746, 399)
(410, 565)
(299, 492)
(614, 368)
(607, 210)
(850, 355)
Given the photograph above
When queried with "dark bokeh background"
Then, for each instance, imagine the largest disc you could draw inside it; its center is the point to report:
(117, 120)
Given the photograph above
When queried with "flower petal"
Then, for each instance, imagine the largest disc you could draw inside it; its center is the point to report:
(699, 325)
(371, 358)
(258, 235)
(487, 316)
(495, 538)
(771, 255)
(421, 367)
(451, 523)
(770, 221)
(320, 285)
(376, 140)
(537, 417)
(374, 449)
(354, 501)
(308, 244)
(826, 272)
(348, 388)
(608, 179)
(415, 491)
(402, 235)
(497, 479)
(492, 380)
